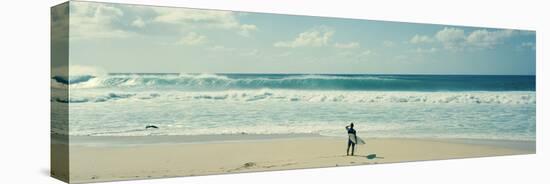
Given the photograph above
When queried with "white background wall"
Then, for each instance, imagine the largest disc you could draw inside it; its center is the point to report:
(24, 90)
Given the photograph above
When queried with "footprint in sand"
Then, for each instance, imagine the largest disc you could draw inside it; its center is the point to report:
(249, 164)
(281, 165)
(244, 166)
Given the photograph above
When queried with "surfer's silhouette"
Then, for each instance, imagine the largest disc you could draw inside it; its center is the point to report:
(352, 134)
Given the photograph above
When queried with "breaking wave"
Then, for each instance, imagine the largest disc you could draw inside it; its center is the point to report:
(301, 82)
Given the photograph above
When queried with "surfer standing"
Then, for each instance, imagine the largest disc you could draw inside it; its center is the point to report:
(352, 134)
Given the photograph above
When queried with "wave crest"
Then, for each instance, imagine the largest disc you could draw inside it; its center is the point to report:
(213, 82)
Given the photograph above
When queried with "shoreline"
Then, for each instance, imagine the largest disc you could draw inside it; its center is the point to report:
(96, 162)
(182, 139)
(114, 141)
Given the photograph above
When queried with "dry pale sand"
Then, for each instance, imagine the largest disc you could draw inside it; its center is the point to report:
(104, 163)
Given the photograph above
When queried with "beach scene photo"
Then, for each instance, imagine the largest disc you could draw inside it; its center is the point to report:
(143, 92)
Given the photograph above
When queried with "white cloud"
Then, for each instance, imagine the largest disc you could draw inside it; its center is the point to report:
(95, 20)
(138, 23)
(351, 45)
(451, 38)
(179, 16)
(456, 39)
(529, 45)
(245, 29)
(426, 51)
(192, 18)
(192, 38)
(317, 37)
(488, 39)
(450, 34)
(421, 39)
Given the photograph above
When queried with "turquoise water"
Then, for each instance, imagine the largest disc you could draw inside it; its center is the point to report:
(418, 106)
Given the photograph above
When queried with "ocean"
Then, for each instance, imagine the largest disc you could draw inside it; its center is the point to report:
(400, 106)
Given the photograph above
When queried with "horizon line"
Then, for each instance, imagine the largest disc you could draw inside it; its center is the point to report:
(306, 73)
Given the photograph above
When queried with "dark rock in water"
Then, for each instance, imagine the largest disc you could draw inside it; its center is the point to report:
(150, 126)
(60, 100)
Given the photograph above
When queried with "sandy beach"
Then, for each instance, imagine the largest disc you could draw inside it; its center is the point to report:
(164, 158)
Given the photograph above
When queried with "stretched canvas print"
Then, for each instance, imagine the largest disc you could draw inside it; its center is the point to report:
(143, 92)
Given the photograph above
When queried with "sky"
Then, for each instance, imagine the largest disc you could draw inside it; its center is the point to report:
(145, 39)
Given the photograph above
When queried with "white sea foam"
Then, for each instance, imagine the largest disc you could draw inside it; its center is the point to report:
(381, 106)
(319, 96)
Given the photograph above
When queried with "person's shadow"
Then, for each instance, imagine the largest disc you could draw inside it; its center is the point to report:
(373, 156)
(370, 156)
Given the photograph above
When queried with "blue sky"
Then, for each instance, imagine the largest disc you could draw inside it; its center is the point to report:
(130, 38)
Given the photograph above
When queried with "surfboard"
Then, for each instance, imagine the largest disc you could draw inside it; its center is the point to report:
(354, 137)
